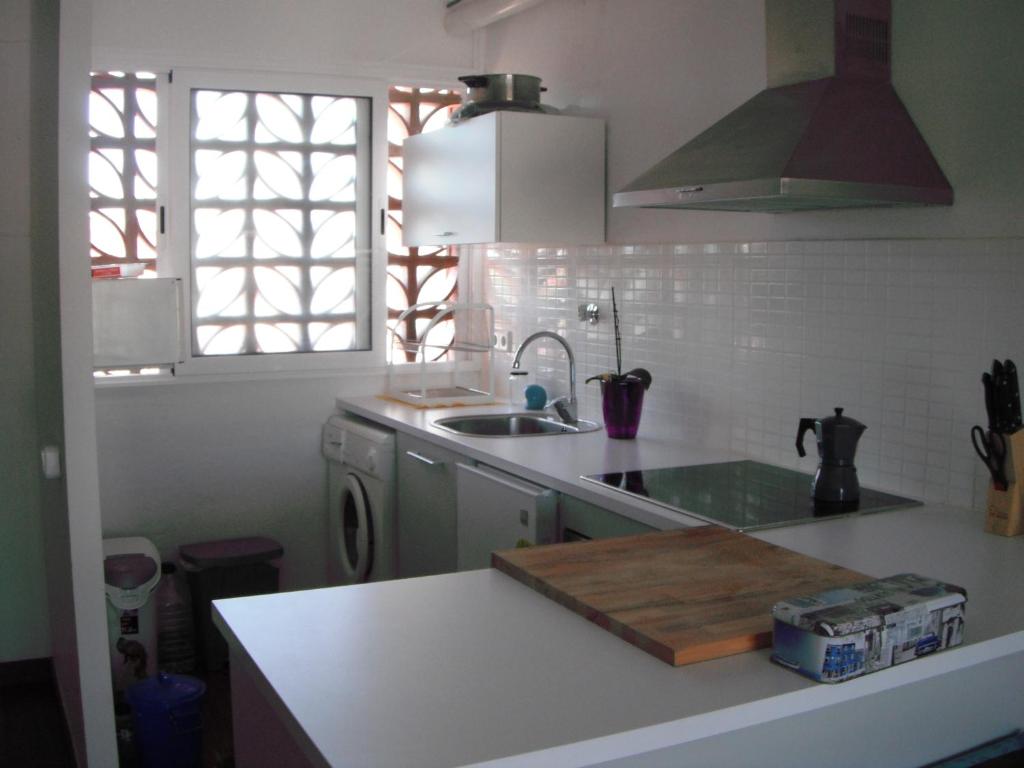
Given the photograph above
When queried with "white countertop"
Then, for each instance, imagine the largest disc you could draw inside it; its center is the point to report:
(554, 461)
(474, 667)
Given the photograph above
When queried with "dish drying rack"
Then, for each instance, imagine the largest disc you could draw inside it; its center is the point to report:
(472, 357)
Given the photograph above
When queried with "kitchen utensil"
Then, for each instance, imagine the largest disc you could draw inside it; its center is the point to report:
(990, 398)
(684, 595)
(992, 451)
(487, 93)
(503, 87)
(998, 396)
(1012, 398)
(836, 478)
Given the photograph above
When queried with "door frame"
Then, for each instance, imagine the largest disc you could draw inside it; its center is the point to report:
(74, 535)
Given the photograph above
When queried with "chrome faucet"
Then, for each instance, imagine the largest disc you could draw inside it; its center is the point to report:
(565, 406)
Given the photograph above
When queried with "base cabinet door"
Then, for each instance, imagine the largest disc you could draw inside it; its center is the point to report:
(427, 540)
(582, 521)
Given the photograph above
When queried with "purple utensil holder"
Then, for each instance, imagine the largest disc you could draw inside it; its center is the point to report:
(621, 403)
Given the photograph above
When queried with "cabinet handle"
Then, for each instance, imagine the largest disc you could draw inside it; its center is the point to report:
(443, 234)
(424, 459)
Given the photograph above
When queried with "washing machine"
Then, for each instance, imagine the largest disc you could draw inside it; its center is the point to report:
(361, 501)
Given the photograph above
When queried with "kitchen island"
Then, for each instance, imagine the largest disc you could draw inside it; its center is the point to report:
(475, 668)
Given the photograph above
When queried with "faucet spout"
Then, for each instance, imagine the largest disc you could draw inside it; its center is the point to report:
(565, 406)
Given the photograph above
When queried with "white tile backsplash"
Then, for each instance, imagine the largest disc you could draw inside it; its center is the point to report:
(743, 339)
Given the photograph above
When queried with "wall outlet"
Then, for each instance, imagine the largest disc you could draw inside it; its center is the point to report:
(503, 341)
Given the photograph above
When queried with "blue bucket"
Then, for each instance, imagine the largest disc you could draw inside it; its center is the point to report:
(168, 720)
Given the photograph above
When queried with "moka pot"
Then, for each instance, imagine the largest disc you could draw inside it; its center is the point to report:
(836, 478)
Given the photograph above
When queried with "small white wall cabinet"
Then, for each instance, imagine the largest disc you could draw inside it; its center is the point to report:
(513, 177)
(427, 540)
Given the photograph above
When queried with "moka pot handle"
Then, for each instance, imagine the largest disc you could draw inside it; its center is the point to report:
(805, 424)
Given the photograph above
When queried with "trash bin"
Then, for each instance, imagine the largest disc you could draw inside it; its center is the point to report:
(131, 571)
(226, 568)
(167, 713)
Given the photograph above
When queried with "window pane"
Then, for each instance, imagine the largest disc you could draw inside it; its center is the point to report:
(123, 169)
(280, 222)
(415, 275)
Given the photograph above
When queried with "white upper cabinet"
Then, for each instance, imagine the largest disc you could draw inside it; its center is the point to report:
(510, 177)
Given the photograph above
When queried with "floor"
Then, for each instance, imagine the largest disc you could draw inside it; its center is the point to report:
(218, 751)
(32, 731)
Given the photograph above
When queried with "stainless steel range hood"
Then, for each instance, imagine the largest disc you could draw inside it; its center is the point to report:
(831, 132)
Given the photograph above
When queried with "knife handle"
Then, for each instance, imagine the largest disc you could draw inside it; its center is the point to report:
(990, 399)
(1013, 414)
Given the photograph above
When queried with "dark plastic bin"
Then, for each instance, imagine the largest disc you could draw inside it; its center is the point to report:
(220, 569)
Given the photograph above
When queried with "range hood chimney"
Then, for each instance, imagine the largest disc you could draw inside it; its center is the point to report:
(829, 132)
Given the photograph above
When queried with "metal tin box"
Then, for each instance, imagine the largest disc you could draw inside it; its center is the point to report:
(841, 633)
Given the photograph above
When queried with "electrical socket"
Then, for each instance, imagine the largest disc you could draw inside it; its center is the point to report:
(503, 341)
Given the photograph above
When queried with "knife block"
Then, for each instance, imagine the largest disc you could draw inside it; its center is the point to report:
(1005, 515)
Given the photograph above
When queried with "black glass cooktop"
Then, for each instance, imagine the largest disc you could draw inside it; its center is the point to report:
(742, 495)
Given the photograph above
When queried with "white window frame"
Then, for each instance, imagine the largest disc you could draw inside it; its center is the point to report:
(177, 256)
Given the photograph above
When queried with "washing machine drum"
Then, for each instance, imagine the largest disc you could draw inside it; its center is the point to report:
(353, 522)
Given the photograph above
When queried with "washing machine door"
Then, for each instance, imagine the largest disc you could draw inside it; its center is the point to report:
(353, 519)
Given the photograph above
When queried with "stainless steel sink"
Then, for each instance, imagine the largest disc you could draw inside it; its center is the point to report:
(512, 425)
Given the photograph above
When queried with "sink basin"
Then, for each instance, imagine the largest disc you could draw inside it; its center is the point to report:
(512, 425)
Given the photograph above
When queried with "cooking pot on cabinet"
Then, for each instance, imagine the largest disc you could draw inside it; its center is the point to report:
(522, 88)
(488, 93)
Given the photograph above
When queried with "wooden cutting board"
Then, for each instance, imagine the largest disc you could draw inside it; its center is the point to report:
(684, 596)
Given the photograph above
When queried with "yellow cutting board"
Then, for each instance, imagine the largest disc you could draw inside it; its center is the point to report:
(684, 596)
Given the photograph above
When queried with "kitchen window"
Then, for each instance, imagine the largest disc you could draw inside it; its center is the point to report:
(265, 194)
(266, 215)
(279, 225)
(273, 186)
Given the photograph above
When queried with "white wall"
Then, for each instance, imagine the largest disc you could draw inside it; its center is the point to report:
(189, 462)
(193, 461)
(661, 71)
(302, 35)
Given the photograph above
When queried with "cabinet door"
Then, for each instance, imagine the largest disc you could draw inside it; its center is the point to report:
(450, 185)
(497, 510)
(551, 184)
(579, 521)
(426, 507)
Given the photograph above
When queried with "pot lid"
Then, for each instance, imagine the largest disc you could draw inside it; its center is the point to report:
(840, 422)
